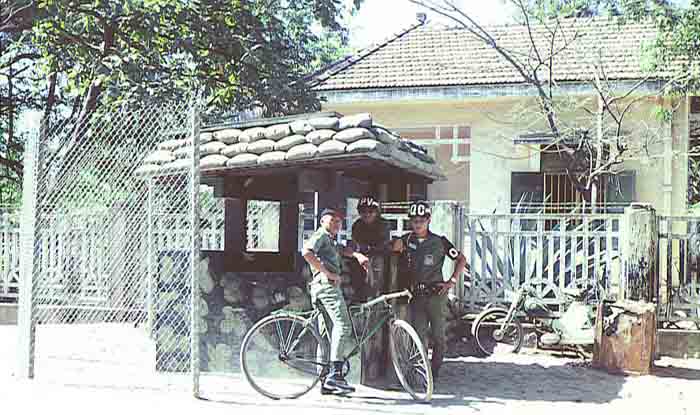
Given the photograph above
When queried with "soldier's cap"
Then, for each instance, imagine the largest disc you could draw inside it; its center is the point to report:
(331, 211)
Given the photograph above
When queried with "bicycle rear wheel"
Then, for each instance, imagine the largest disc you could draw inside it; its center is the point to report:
(283, 356)
(411, 361)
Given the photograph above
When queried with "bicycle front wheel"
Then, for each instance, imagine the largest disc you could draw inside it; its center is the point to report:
(410, 360)
(283, 356)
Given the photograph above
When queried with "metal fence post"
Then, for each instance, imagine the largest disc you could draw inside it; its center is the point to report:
(195, 250)
(459, 236)
(25, 320)
(150, 265)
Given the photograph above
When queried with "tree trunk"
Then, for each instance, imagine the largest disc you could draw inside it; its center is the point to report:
(625, 342)
(51, 97)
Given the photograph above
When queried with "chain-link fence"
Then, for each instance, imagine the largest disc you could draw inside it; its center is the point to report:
(109, 248)
(263, 225)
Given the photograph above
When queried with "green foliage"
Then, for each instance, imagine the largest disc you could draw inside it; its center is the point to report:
(242, 52)
(678, 44)
(98, 53)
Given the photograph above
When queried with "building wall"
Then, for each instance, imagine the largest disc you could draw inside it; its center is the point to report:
(484, 182)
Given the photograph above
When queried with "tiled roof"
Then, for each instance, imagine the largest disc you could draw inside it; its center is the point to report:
(427, 56)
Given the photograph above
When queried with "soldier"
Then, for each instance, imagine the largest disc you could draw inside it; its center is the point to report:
(370, 236)
(423, 254)
(323, 254)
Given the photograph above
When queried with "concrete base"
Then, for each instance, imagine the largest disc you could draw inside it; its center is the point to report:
(682, 344)
(8, 313)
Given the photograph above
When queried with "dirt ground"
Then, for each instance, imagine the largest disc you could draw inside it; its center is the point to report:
(106, 369)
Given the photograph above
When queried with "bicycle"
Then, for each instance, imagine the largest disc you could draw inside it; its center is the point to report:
(283, 356)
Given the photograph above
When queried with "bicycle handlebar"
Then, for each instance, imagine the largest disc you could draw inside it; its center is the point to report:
(387, 297)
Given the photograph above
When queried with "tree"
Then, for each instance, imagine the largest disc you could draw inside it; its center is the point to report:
(17, 95)
(593, 148)
(69, 57)
(243, 53)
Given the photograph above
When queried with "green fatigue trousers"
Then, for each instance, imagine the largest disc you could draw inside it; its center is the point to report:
(429, 321)
(331, 297)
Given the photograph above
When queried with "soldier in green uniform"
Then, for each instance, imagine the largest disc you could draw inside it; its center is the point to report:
(424, 254)
(323, 254)
(370, 236)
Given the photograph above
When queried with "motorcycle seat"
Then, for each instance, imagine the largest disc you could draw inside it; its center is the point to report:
(573, 292)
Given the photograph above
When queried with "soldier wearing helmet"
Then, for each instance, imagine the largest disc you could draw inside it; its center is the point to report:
(423, 254)
(370, 236)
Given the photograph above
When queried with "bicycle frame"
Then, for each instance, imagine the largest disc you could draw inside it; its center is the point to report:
(387, 316)
(318, 313)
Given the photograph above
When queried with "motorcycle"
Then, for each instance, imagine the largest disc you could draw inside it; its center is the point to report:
(500, 330)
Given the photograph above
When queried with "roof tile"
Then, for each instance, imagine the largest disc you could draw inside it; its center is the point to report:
(427, 56)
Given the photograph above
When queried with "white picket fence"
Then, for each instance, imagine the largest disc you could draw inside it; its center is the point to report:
(503, 251)
(552, 251)
(87, 281)
(9, 256)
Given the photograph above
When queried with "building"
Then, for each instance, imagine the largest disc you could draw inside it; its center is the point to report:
(453, 93)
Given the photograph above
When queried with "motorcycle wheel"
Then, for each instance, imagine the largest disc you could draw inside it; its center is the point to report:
(491, 339)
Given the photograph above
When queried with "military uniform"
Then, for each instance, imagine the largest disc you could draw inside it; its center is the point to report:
(370, 238)
(424, 259)
(327, 250)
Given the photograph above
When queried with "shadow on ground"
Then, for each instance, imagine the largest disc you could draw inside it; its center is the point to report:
(676, 372)
(496, 380)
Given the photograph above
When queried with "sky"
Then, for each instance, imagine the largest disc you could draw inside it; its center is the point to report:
(379, 19)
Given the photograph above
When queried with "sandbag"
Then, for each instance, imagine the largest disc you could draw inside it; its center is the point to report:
(213, 147)
(252, 134)
(171, 145)
(332, 147)
(353, 134)
(160, 157)
(363, 120)
(272, 157)
(205, 138)
(147, 169)
(179, 164)
(385, 136)
(212, 161)
(233, 149)
(301, 127)
(261, 146)
(228, 136)
(423, 157)
(324, 123)
(302, 151)
(288, 142)
(275, 132)
(240, 160)
(319, 136)
(183, 152)
(398, 154)
(367, 145)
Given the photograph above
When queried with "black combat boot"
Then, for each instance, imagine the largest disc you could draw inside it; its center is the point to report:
(335, 382)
